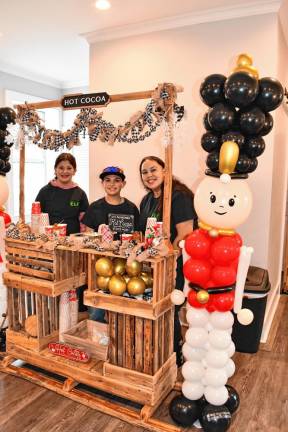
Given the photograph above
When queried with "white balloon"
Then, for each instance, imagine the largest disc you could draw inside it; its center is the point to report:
(196, 337)
(192, 371)
(216, 395)
(215, 377)
(192, 390)
(191, 353)
(197, 317)
(230, 368)
(245, 316)
(222, 320)
(207, 346)
(231, 349)
(219, 339)
(177, 297)
(209, 327)
(4, 190)
(217, 358)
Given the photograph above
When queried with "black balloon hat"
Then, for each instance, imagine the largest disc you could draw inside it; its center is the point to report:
(239, 109)
(7, 116)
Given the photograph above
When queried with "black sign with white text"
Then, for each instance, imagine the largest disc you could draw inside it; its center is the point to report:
(85, 100)
(121, 223)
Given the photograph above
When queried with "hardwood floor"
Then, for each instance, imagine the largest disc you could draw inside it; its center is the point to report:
(261, 380)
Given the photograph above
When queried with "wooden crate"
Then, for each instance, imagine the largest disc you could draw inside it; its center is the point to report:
(33, 319)
(163, 271)
(48, 272)
(86, 335)
(140, 344)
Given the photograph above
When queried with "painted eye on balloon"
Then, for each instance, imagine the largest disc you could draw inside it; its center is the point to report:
(212, 198)
(231, 202)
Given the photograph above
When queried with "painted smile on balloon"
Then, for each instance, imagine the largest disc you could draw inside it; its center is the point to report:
(220, 213)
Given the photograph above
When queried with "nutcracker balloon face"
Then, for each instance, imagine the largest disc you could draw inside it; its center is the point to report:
(224, 202)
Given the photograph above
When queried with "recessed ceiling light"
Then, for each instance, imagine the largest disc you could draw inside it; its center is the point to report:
(102, 4)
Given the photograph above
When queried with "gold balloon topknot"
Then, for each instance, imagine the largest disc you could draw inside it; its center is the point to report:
(228, 158)
(244, 64)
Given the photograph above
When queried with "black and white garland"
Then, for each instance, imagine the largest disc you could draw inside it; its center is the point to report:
(139, 127)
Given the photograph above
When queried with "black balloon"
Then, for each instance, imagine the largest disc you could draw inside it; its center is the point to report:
(221, 117)
(254, 147)
(206, 122)
(241, 89)
(212, 161)
(233, 401)
(7, 115)
(210, 142)
(252, 120)
(2, 164)
(3, 135)
(270, 94)
(235, 136)
(243, 164)
(184, 411)
(253, 165)
(5, 152)
(212, 89)
(6, 168)
(268, 124)
(215, 418)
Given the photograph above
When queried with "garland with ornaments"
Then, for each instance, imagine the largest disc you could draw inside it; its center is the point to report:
(139, 127)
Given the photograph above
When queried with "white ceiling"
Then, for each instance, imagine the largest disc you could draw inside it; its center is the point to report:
(42, 40)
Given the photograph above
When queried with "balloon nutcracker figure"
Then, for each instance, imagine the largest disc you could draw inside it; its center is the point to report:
(216, 261)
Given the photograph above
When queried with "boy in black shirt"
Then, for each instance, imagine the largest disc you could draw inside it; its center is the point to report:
(113, 181)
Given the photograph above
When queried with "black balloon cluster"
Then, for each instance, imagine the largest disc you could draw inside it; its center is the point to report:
(7, 115)
(212, 418)
(239, 112)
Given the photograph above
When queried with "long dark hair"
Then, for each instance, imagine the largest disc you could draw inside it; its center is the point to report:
(66, 157)
(177, 185)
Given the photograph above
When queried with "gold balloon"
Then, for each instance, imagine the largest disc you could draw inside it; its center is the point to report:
(229, 153)
(102, 282)
(244, 64)
(117, 285)
(147, 277)
(119, 266)
(134, 269)
(104, 267)
(126, 277)
(202, 296)
(136, 286)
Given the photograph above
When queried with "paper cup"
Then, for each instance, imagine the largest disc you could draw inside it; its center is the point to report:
(62, 230)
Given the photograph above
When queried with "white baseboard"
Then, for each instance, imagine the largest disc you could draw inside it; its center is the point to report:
(270, 312)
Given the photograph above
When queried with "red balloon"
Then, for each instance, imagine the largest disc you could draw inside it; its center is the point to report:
(6, 217)
(223, 276)
(192, 300)
(234, 264)
(197, 244)
(224, 250)
(238, 239)
(224, 302)
(197, 271)
(210, 305)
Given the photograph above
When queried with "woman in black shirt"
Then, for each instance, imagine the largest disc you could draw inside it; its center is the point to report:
(152, 171)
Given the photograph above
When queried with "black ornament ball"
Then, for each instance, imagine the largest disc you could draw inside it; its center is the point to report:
(184, 411)
(206, 122)
(210, 142)
(254, 147)
(241, 89)
(7, 115)
(221, 117)
(243, 164)
(268, 124)
(252, 120)
(212, 89)
(270, 94)
(212, 161)
(215, 418)
(233, 401)
(5, 152)
(235, 136)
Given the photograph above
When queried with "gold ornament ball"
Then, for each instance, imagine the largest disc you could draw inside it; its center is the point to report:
(202, 296)
(117, 285)
(104, 267)
(147, 277)
(136, 286)
(126, 277)
(119, 266)
(134, 269)
(102, 282)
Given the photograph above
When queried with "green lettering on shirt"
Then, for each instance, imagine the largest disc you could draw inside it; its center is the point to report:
(74, 203)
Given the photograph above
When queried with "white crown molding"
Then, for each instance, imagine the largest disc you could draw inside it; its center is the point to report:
(212, 15)
(29, 75)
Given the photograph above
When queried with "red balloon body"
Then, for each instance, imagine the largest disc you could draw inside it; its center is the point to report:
(6, 217)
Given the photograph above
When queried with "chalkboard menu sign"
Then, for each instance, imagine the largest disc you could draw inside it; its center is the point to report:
(121, 223)
(85, 100)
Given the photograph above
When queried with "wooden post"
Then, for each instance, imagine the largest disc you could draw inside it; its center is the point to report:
(21, 174)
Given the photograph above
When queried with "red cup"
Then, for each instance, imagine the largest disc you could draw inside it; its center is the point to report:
(62, 230)
(126, 237)
(49, 229)
(36, 207)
